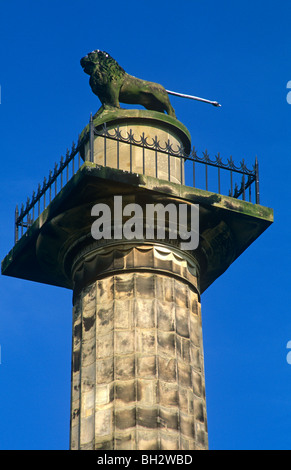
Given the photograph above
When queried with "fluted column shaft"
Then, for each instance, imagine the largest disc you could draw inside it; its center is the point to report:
(137, 372)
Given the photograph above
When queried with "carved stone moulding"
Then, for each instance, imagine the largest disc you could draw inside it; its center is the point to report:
(99, 261)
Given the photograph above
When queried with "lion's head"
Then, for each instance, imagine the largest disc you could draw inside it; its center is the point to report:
(101, 64)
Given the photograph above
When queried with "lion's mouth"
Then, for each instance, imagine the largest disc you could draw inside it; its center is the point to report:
(87, 66)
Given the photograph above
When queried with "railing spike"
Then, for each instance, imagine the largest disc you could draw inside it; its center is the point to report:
(218, 158)
(257, 181)
(194, 152)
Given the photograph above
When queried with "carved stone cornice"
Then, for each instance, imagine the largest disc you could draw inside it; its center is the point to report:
(99, 261)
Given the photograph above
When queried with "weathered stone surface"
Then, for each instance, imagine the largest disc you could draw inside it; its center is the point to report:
(113, 85)
(141, 386)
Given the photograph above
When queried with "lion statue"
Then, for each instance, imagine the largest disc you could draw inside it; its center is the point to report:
(113, 85)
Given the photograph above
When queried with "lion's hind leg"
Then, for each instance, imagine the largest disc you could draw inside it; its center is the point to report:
(169, 108)
(158, 99)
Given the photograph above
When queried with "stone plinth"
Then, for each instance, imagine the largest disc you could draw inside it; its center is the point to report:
(149, 125)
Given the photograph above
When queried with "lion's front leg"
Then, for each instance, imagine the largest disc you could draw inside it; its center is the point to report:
(111, 95)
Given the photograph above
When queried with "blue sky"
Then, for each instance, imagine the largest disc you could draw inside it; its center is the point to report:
(235, 52)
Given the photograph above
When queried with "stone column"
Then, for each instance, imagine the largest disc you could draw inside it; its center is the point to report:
(137, 369)
(137, 372)
(137, 362)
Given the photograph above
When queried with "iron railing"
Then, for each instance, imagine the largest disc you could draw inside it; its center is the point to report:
(249, 176)
(46, 191)
(68, 166)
